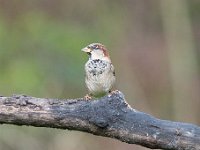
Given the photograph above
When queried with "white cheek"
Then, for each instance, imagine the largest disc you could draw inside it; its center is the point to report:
(97, 54)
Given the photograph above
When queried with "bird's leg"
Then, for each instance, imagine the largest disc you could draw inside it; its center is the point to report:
(88, 97)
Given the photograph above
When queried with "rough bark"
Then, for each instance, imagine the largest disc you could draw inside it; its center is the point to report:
(109, 116)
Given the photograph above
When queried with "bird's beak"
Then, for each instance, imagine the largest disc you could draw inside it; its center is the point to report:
(86, 49)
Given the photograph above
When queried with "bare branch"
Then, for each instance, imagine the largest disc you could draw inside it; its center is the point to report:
(108, 116)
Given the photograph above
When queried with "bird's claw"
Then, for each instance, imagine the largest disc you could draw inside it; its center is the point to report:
(113, 92)
(87, 97)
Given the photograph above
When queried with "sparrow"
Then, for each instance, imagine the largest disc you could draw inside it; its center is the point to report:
(99, 71)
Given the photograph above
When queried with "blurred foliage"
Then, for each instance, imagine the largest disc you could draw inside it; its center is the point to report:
(42, 56)
(154, 47)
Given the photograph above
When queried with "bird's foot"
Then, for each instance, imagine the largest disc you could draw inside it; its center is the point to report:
(113, 92)
(87, 97)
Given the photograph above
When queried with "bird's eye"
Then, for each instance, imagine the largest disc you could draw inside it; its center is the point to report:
(95, 47)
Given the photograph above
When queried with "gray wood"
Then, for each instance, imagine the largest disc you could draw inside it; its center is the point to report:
(109, 116)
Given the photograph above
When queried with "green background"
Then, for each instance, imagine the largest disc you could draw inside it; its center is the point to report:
(154, 46)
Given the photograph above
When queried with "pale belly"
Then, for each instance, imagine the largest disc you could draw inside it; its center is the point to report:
(100, 85)
(99, 81)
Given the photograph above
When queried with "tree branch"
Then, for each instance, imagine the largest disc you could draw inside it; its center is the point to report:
(109, 116)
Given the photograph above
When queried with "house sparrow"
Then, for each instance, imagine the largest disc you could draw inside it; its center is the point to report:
(100, 73)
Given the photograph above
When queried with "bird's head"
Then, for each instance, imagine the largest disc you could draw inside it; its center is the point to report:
(97, 51)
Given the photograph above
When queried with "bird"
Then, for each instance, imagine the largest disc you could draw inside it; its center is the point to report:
(99, 71)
